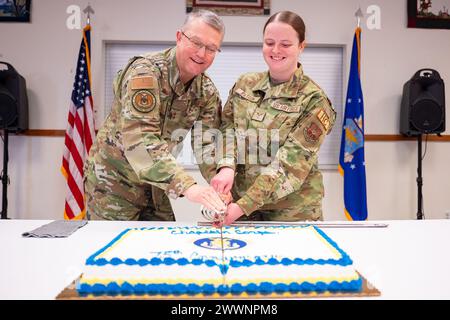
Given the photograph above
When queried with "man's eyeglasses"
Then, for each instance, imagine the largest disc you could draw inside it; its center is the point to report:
(211, 50)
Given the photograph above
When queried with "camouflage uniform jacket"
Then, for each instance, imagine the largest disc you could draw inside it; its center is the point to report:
(151, 104)
(301, 115)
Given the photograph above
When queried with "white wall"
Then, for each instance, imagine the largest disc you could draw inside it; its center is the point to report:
(44, 52)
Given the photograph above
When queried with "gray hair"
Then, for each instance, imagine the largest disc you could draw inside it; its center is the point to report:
(208, 17)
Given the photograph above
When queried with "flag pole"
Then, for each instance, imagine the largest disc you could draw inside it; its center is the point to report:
(88, 10)
(358, 15)
(419, 179)
(4, 175)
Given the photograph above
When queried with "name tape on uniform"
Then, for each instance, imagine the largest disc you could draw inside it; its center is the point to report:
(246, 96)
(285, 107)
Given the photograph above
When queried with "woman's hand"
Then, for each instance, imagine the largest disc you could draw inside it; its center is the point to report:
(223, 181)
(233, 213)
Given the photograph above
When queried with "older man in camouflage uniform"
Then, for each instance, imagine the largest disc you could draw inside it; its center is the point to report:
(290, 187)
(131, 169)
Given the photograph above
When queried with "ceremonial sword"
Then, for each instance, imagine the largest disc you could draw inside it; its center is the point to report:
(320, 224)
(214, 217)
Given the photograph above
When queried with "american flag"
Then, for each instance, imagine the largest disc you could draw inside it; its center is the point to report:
(79, 133)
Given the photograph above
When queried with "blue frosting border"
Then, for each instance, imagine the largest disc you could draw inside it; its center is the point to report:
(264, 288)
(344, 260)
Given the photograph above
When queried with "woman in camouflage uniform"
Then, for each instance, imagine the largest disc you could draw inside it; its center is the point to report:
(273, 125)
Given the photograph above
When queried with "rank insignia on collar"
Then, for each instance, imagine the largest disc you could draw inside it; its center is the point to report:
(258, 115)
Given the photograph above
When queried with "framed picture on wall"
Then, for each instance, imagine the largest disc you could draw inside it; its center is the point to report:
(15, 10)
(431, 14)
(231, 7)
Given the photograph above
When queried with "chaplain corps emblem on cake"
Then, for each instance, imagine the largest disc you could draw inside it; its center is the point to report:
(215, 243)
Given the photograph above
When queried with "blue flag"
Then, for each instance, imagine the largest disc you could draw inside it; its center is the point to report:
(351, 157)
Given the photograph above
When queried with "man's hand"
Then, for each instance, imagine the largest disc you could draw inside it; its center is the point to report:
(223, 181)
(233, 213)
(205, 196)
(227, 198)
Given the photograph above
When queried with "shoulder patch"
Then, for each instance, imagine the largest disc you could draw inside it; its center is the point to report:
(143, 101)
(142, 82)
(312, 133)
(323, 119)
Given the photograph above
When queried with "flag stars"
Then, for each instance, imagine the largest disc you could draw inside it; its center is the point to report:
(349, 100)
(81, 84)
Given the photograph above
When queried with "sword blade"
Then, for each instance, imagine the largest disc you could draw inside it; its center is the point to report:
(317, 224)
(223, 250)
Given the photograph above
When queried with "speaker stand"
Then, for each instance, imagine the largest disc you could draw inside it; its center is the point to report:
(419, 179)
(4, 176)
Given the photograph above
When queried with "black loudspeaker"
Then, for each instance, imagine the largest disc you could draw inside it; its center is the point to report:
(423, 104)
(13, 100)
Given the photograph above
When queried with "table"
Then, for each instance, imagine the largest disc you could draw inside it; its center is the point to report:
(408, 259)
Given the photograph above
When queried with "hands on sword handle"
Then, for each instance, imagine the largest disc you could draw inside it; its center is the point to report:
(222, 183)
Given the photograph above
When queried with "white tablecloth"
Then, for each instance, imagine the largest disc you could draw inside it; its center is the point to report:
(406, 260)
